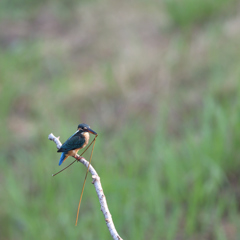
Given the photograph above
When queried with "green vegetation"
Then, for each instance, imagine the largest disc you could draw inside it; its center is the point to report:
(165, 103)
(187, 13)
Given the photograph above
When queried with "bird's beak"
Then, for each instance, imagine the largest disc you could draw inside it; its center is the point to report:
(91, 131)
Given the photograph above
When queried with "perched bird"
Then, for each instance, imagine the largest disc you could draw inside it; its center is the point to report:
(76, 142)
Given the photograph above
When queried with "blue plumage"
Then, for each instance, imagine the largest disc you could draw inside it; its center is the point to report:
(62, 158)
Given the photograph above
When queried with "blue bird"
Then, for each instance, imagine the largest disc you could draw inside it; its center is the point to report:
(76, 142)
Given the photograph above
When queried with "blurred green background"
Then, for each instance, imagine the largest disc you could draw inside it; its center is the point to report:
(158, 80)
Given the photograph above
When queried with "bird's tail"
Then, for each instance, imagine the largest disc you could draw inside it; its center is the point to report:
(62, 158)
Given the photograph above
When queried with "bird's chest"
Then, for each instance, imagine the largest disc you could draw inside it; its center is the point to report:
(86, 137)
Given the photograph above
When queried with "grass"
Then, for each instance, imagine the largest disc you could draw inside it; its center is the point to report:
(189, 13)
(168, 123)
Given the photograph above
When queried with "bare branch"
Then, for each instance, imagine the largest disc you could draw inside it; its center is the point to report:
(99, 190)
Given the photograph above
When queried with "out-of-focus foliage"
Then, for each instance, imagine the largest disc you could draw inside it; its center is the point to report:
(187, 13)
(158, 81)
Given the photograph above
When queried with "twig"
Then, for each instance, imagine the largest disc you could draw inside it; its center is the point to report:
(99, 190)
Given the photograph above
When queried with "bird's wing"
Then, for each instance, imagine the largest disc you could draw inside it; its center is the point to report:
(72, 143)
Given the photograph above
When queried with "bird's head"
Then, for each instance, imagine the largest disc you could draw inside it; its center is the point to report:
(85, 128)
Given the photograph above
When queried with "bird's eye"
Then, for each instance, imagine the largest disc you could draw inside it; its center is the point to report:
(84, 128)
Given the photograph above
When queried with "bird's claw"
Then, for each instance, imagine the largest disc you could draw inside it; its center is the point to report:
(78, 158)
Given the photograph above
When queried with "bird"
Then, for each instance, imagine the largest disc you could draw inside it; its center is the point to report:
(76, 142)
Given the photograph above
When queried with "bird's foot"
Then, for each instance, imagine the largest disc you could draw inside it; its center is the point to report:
(78, 158)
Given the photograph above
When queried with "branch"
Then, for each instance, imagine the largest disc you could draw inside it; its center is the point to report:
(99, 190)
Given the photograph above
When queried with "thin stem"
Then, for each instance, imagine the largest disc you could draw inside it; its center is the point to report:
(84, 182)
(64, 168)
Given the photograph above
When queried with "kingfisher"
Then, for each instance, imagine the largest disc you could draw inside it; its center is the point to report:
(76, 142)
